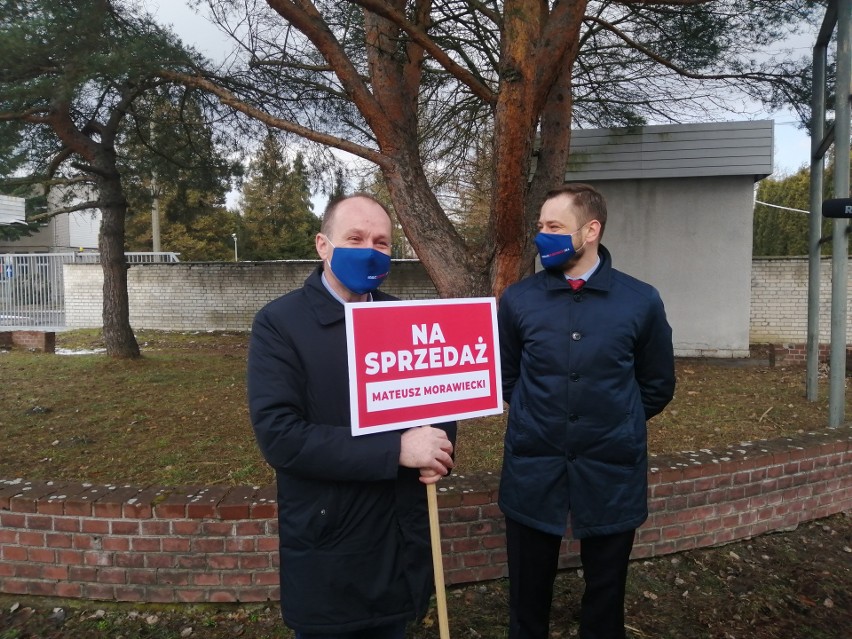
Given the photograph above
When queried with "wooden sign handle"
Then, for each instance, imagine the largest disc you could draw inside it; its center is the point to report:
(437, 561)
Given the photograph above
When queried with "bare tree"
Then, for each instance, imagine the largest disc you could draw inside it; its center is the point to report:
(411, 85)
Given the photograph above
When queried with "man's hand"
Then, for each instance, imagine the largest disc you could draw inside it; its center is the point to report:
(429, 476)
(428, 449)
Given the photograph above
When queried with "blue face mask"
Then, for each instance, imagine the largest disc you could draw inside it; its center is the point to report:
(554, 249)
(361, 270)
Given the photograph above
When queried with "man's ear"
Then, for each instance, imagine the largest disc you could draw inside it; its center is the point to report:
(593, 232)
(323, 246)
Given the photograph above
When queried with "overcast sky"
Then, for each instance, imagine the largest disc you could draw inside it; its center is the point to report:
(792, 145)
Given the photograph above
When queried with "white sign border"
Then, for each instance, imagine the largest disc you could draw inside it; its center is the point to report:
(349, 310)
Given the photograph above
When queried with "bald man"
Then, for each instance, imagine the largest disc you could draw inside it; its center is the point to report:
(352, 515)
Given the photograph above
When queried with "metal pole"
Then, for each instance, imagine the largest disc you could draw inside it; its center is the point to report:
(234, 235)
(840, 242)
(155, 217)
(155, 209)
(815, 222)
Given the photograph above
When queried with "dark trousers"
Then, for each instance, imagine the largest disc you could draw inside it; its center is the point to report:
(391, 631)
(533, 557)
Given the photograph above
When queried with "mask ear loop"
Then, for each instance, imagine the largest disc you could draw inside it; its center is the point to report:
(577, 250)
(327, 261)
(327, 239)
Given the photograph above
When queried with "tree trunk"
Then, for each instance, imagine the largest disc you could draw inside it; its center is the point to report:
(554, 136)
(395, 80)
(101, 160)
(118, 335)
(439, 247)
(514, 130)
(535, 43)
(536, 75)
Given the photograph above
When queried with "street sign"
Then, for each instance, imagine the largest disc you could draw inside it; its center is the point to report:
(9, 271)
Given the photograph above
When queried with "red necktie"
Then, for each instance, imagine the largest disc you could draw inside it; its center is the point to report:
(576, 285)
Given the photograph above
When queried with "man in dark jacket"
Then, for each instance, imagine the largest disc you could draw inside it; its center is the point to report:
(352, 515)
(587, 358)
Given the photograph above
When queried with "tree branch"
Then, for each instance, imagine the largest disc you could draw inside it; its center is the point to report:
(229, 99)
(63, 125)
(763, 77)
(268, 62)
(30, 115)
(669, 2)
(420, 36)
(58, 159)
(554, 47)
(88, 168)
(495, 17)
(308, 20)
(36, 179)
(72, 208)
(128, 94)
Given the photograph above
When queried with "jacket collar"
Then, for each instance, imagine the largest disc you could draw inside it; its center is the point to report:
(327, 309)
(599, 281)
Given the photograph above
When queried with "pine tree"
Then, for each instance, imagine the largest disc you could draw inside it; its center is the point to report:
(175, 156)
(278, 220)
(70, 75)
(410, 86)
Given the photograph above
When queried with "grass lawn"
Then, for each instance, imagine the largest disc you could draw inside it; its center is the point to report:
(178, 415)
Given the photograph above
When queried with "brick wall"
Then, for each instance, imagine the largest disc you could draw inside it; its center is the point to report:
(41, 341)
(779, 301)
(209, 296)
(798, 354)
(219, 544)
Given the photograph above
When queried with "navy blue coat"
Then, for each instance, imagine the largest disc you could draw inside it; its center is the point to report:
(582, 372)
(353, 524)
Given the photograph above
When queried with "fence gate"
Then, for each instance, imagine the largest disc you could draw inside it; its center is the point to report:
(32, 288)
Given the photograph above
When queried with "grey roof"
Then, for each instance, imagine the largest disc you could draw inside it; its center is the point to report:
(672, 151)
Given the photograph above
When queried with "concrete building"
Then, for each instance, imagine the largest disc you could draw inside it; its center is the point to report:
(681, 201)
(62, 233)
(12, 210)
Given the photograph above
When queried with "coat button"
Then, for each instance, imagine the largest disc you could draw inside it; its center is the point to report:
(578, 297)
(576, 336)
(574, 377)
(322, 512)
(572, 417)
(572, 456)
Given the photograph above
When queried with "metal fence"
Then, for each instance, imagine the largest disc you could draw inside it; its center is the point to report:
(32, 287)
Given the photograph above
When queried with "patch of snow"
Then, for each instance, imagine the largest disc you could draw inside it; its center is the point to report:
(67, 351)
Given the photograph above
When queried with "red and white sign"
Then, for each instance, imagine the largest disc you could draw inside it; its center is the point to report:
(422, 362)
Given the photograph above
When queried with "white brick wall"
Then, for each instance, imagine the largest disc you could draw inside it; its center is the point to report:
(208, 296)
(779, 301)
(225, 296)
